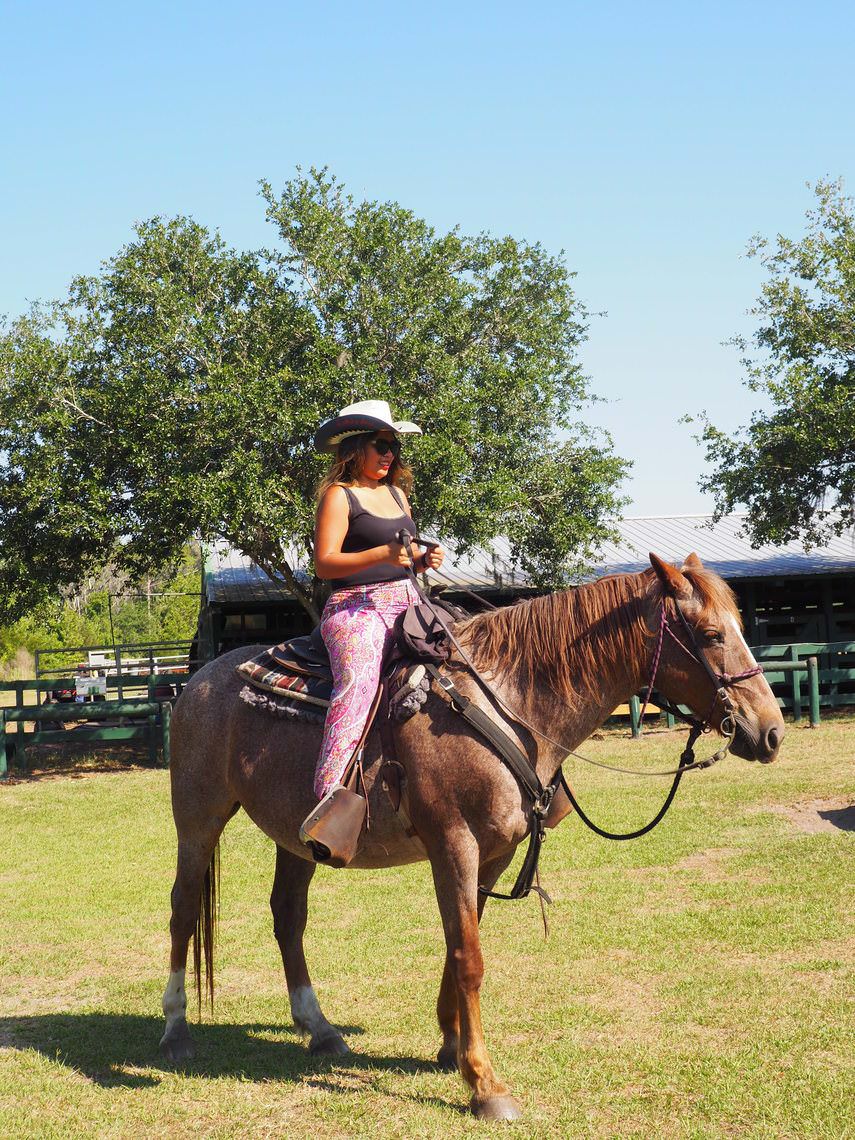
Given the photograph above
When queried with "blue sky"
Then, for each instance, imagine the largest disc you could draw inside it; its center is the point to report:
(649, 142)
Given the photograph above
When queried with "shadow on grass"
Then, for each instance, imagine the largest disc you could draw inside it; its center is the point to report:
(844, 818)
(110, 1049)
(330, 1085)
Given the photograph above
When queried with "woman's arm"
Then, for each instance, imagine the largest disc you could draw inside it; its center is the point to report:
(330, 530)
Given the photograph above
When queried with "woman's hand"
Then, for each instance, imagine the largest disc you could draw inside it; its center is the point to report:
(434, 557)
(398, 555)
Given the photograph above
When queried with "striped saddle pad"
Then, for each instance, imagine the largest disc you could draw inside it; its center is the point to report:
(301, 681)
(274, 671)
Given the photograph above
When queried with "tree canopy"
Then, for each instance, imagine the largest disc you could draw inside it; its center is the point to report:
(175, 394)
(793, 465)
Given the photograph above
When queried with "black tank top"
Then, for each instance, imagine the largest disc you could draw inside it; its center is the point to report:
(364, 531)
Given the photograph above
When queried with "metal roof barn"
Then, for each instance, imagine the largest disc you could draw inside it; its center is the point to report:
(786, 594)
(722, 546)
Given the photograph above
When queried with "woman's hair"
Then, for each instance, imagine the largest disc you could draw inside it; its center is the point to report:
(349, 461)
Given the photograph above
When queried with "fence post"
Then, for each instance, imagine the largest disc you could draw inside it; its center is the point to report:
(21, 747)
(152, 739)
(635, 715)
(797, 686)
(813, 678)
(165, 728)
(4, 765)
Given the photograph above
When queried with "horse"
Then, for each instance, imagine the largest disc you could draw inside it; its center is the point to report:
(563, 662)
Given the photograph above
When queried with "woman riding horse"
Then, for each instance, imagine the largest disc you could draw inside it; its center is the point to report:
(362, 507)
(562, 662)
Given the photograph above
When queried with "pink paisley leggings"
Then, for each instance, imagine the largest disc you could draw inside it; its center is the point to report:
(357, 628)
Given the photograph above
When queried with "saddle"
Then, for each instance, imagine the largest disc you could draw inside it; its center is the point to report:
(299, 675)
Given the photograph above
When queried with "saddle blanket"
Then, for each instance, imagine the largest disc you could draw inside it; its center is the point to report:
(306, 695)
(268, 673)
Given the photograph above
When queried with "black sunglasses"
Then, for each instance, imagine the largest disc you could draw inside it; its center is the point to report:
(386, 446)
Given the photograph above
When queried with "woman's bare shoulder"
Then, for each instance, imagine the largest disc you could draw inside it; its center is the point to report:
(334, 499)
(336, 492)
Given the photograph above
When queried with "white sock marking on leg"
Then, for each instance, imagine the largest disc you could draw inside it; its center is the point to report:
(174, 999)
(306, 1011)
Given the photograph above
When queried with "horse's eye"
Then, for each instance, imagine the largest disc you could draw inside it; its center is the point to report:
(713, 637)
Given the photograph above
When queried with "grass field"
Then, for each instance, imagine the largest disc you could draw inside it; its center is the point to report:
(696, 983)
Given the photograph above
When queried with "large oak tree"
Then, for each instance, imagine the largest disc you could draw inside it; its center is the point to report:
(175, 394)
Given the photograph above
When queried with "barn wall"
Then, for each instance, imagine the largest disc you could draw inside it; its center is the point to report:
(781, 611)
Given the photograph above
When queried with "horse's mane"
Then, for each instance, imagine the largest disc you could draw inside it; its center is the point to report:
(714, 593)
(570, 641)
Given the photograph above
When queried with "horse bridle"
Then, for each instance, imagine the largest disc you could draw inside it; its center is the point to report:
(721, 682)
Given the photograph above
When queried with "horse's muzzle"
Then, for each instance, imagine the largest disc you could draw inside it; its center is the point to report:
(757, 741)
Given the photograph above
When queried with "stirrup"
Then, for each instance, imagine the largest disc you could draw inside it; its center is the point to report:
(331, 830)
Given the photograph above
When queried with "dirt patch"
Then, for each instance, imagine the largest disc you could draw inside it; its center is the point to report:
(60, 762)
(71, 773)
(709, 863)
(812, 816)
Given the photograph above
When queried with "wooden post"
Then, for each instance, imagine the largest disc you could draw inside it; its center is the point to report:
(165, 729)
(813, 678)
(21, 747)
(635, 716)
(152, 740)
(797, 690)
(4, 764)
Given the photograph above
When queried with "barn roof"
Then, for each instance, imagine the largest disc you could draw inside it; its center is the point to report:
(231, 576)
(721, 545)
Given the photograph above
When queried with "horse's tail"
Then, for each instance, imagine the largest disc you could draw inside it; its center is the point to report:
(204, 936)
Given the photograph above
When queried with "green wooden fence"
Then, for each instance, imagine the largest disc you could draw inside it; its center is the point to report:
(805, 677)
(145, 717)
(835, 673)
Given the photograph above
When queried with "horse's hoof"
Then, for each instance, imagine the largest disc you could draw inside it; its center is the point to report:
(496, 1108)
(328, 1045)
(177, 1045)
(446, 1058)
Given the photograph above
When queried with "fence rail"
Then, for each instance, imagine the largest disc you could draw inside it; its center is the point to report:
(146, 718)
(828, 667)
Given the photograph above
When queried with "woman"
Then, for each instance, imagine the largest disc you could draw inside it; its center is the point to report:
(362, 506)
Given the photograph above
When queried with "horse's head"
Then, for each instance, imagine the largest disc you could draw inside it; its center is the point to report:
(705, 662)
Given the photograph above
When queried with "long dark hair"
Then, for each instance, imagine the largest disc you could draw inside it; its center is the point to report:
(349, 461)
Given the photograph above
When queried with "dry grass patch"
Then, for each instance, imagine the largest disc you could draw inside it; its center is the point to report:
(832, 814)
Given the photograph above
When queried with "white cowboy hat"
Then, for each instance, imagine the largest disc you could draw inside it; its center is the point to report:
(356, 419)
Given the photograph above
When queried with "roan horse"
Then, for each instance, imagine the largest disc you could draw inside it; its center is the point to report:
(563, 662)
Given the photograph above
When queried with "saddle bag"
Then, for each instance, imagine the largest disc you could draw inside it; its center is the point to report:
(422, 631)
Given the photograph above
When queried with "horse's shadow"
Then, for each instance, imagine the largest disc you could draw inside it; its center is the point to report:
(844, 818)
(117, 1050)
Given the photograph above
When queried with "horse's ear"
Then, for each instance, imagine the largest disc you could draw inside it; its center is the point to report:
(674, 582)
(692, 563)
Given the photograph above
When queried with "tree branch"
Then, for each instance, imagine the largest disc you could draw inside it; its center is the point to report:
(70, 404)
